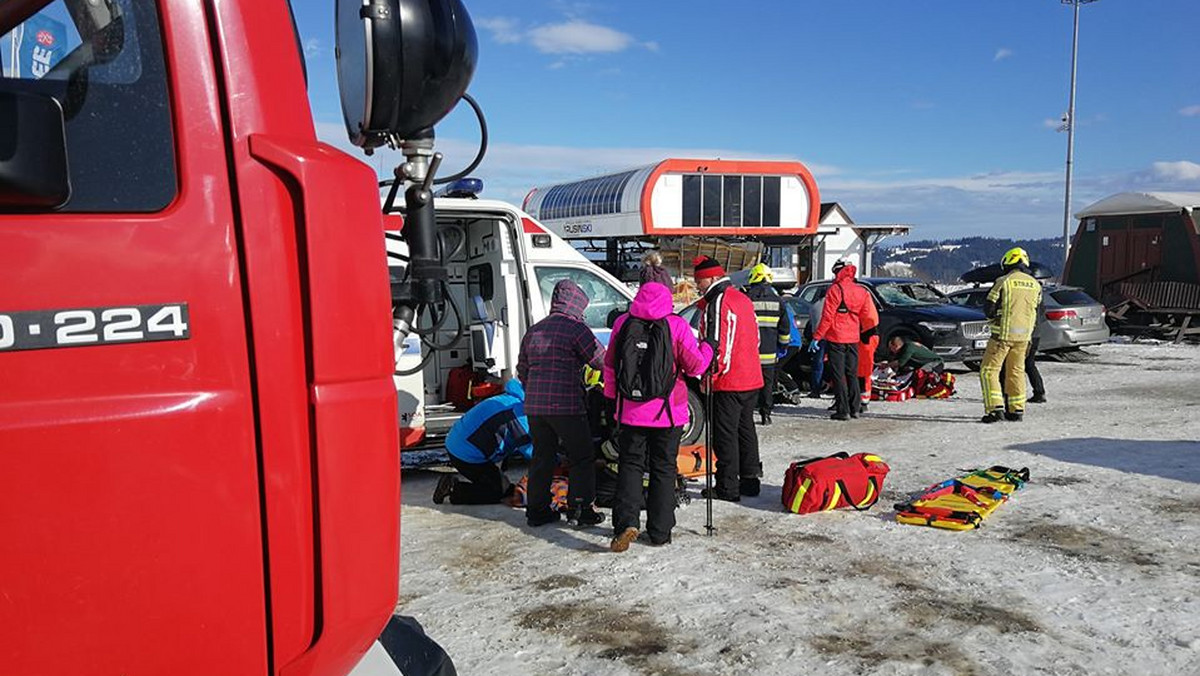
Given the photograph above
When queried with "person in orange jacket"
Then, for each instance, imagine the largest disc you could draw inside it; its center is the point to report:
(848, 318)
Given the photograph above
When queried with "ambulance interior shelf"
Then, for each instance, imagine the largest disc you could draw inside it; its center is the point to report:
(437, 316)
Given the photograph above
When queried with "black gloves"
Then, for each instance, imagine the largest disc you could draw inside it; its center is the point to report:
(865, 336)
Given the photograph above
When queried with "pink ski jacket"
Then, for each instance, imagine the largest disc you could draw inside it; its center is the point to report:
(653, 301)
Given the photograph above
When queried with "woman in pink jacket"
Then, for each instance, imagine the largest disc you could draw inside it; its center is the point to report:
(651, 349)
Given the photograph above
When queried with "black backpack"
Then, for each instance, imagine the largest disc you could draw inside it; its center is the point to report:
(645, 361)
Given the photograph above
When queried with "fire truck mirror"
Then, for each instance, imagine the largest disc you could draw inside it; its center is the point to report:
(33, 153)
(402, 66)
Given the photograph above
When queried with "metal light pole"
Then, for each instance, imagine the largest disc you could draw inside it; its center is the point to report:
(1069, 123)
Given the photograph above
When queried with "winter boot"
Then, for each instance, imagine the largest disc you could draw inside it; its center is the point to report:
(587, 516)
(445, 486)
(766, 417)
(1039, 398)
(542, 520)
(621, 541)
(716, 495)
(1014, 416)
(645, 539)
(750, 487)
(992, 417)
(840, 416)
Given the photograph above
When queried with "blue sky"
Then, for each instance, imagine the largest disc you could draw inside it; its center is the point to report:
(939, 114)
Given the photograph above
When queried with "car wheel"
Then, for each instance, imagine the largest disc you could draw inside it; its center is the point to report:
(693, 432)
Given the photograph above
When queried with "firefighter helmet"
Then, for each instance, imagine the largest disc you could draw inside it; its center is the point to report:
(760, 273)
(1014, 257)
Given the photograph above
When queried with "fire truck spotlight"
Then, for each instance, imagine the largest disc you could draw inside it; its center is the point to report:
(402, 66)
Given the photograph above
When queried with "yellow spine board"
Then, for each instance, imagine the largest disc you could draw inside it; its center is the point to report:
(993, 489)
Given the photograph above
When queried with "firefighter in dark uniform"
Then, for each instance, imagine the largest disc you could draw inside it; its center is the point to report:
(774, 333)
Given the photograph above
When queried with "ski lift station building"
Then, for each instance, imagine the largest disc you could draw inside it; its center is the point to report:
(737, 211)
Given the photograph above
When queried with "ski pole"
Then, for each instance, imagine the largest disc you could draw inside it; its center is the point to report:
(708, 454)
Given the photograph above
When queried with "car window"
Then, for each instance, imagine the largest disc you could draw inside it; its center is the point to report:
(103, 62)
(691, 314)
(812, 294)
(1072, 297)
(605, 302)
(800, 311)
(924, 292)
(896, 295)
(969, 299)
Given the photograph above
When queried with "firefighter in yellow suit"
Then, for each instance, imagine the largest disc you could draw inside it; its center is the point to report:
(1011, 308)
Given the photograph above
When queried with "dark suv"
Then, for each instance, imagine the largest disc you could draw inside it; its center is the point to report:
(914, 309)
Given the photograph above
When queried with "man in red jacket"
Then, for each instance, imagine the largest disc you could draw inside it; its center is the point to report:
(848, 318)
(728, 323)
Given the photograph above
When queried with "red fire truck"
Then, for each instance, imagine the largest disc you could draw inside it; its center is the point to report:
(198, 430)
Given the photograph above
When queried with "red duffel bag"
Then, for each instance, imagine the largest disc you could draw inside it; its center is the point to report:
(840, 480)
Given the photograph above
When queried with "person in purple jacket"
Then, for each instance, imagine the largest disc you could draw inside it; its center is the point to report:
(653, 271)
(649, 431)
(553, 354)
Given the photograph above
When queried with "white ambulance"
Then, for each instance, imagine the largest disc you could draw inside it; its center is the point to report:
(503, 266)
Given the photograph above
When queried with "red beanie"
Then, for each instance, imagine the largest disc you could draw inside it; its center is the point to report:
(706, 267)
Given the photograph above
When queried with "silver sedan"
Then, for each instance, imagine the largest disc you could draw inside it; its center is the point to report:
(1073, 319)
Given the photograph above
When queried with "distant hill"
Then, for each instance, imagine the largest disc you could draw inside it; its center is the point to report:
(944, 261)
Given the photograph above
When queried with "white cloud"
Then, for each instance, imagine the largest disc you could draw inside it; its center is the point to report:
(504, 30)
(1002, 203)
(509, 170)
(313, 48)
(1177, 171)
(570, 38)
(578, 37)
(1002, 53)
(1190, 111)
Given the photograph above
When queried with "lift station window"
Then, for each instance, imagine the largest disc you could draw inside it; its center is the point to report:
(585, 198)
(730, 201)
(752, 201)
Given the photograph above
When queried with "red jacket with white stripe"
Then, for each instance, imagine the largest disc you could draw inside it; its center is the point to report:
(727, 316)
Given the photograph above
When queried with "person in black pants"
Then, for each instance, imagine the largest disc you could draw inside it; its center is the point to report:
(553, 354)
(654, 449)
(729, 325)
(733, 427)
(572, 437)
(848, 317)
(843, 365)
(774, 333)
(482, 439)
(649, 429)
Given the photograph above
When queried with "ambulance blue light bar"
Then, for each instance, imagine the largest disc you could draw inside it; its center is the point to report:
(463, 187)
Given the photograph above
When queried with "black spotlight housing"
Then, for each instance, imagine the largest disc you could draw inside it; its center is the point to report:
(402, 65)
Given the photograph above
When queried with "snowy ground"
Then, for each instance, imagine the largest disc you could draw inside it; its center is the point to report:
(1093, 568)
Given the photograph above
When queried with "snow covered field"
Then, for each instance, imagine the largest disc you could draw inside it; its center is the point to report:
(1093, 568)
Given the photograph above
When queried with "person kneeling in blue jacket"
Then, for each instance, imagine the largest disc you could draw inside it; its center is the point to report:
(484, 437)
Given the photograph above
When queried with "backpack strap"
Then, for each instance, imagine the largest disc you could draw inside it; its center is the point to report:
(616, 342)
